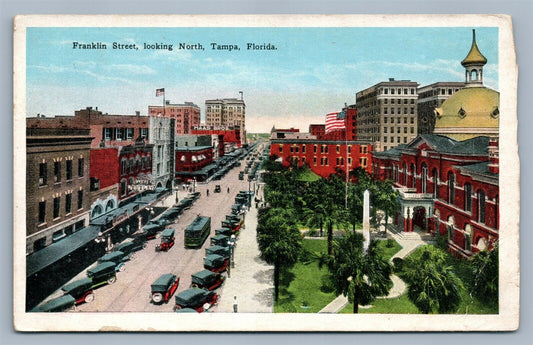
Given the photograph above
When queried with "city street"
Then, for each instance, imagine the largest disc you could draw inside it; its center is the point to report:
(132, 292)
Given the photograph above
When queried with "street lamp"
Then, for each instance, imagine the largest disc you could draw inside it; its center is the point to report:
(194, 184)
(231, 244)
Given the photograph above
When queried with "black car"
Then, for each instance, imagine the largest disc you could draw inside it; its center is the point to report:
(217, 188)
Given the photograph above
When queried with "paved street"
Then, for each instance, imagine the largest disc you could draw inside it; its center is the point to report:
(132, 291)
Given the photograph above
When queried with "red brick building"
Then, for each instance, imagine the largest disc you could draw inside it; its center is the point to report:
(186, 115)
(229, 138)
(322, 156)
(190, 160)
(349, 132)
(447, 187)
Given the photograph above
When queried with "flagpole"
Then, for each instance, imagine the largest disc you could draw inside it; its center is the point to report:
(346, 144)
(164, 104)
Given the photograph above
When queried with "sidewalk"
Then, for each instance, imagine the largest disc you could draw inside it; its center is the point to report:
(251, 279)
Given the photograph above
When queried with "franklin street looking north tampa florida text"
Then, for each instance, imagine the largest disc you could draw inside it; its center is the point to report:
(170, 47)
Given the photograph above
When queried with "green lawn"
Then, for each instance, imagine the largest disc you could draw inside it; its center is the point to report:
(402, 304)
(301, 289)
(309, 176)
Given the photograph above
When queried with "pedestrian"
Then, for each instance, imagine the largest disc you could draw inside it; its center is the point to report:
(228, 189)
(235, 304)
(208, 192)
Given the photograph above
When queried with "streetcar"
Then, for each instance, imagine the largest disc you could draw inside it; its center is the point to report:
(197, 232)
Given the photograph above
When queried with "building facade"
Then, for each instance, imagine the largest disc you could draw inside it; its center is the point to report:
(387, 113)
(227, 112)
(57, 184)
(186, 115)
(162, 137)
(228, 138)
(431, 97)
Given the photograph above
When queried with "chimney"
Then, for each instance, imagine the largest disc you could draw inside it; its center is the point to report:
(391, 79)
(137, 113)
(167, 102)
(494, 158)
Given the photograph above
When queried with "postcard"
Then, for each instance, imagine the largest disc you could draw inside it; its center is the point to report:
(330, 173)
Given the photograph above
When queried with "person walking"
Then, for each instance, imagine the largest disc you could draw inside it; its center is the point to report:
(208, 192)
(235, 304)
(228, 189)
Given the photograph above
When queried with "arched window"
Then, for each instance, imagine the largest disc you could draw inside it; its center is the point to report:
(451, 224)
(405, 175)
(468, 197)
(413, 176)
(468, 237)
(109, 206)
(481, 200)
(97, 210)
(424, 178)
(435, 174)
(123, 187)
(474, 75)
(451, 187)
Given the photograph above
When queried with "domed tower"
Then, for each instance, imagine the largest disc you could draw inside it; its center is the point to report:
(474, 110)
(473, 63)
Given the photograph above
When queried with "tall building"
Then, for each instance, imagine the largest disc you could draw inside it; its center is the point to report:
(57, 184)
(431, 97)
(227, 112)
(186, 115)
(162, 134)
(387, 113)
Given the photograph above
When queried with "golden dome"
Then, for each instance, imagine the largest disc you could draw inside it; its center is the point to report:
(470, 112)
(474, 57)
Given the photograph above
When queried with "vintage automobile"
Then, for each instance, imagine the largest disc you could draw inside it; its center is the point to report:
(220, 240)
(185, 203)
(81, 290)
(223, 251)
(194, 195)
(195, 298)
(131, 245)
(118, 258)
(102, 274)
(164, 287)
(216, 263)
(217, 188)
(241, 175)
(207, 280)
(167, 240)
(223, 231)
(172, 213)
(151, 230)
(56, 305)
(233, 225)
(234, 218)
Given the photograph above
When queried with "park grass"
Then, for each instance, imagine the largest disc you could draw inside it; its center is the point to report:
(402, 304)
(308, 176)
(303, 285)
(301, 289)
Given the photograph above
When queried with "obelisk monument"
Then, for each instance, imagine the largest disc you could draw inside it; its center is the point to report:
(366, 220)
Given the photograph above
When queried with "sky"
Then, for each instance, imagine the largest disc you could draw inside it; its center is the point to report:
(312, 72)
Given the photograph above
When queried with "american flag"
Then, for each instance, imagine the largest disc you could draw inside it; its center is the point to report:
(159, 92)
(335, 121)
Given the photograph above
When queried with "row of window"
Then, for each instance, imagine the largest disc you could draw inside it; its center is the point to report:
(405, 110)
(398, 91)
(399, 101)
(399, 130)
(398, 140)
(59, 234)
(324, 149)
(43, 171)
(135, 165)
(57, 206)
(123, 133)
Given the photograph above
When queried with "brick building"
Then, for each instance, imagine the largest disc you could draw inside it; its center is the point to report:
(228, 137)
(57, 184)
(227, 112)
(186, 115)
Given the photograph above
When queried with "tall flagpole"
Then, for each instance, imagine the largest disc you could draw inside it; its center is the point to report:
(346, 144)
(164, 104)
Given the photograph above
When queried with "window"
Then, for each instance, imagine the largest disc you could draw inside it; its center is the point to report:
(42, 211)
(123, 166)
(384, 129)
(391, 140)
(314, 149)
(143, 132)
(392, 101)
(303, 149)
(481, 206)
(57, 172)
(119, 134)
(80, 199)
(385, 119)
(412, 130)
(405, 140)
(107, 133)
(69, 170)
(468, 237)
(314, 161)
(412, 112)
(43, 172)
(468, 197)
(405, 130)
(57, 202)
(124, 186)
(451, 187)
(385, 140)
(281, 148)
(399, 130)
(129, 133)
(392, 112)
(81, 167)
(424, 178)
(338, 148)
(68, 203)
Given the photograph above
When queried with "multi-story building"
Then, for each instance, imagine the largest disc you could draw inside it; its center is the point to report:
(431, 97)
(228, 138)
(162, 136)
(106, 130)
(186, 115)
(227, 112)
(324, 157)
(387, 113)
(57, 184)
(449, 183)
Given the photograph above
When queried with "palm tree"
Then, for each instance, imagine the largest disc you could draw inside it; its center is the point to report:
(360, 277)
(485, 275)
(279, 241)
(433, 287)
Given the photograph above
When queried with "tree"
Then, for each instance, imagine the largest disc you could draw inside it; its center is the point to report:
(485, 269)
(360, 277)
(279, 241)
(433, 287)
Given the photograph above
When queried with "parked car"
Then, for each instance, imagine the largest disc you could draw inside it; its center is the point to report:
(207, 280)
(195, 298)
(223, 251)
(167, 240)
(216, 263)
(223, 231)
(162, 221)
(164, 287)
(81, 290)
(217, 188)
(118, 258)
(194, 195)
(131, 245)
(241, 175)
(220, 240)
(102, 274)
(151, 230)
(56, 305)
